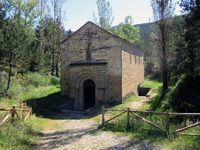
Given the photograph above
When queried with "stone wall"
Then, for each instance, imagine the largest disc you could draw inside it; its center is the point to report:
(132, 69)
(115, 65)
(106, 75)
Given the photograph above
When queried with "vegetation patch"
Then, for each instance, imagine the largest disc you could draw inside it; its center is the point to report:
(183, 96)
(21, 136)
(26, 83)
(153, 84)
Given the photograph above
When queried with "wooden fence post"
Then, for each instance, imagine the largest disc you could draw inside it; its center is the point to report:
(167, 120)
(103, 113)
(128, 118)
(31, 111)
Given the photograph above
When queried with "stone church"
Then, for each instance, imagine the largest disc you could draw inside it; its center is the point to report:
(98, 67)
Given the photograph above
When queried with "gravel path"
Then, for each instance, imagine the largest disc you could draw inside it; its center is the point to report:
(77, 131)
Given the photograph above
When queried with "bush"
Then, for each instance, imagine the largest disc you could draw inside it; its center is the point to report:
(183, 96)
(3, 83)
(25, 83)
(15, 89)
(36, 79)
(186, 95)
(17, 136)
(55, 80)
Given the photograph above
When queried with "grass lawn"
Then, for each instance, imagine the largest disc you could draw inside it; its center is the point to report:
(24, 135)
(34, 94)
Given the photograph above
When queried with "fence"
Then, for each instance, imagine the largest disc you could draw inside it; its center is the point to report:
(167, 119)
(23, 112)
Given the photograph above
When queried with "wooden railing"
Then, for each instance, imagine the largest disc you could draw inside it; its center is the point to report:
(166, 116)
(23, 113)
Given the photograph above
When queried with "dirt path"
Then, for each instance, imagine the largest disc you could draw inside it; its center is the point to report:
(77, 131)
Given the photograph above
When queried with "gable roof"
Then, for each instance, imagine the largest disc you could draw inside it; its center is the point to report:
(111, 34)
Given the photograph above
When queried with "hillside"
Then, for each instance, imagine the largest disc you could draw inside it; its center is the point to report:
(145, 30)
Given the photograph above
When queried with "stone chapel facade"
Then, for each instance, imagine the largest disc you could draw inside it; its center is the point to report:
(98, 67)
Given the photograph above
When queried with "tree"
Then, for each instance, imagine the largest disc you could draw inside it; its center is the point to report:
(105, 17)
(177, 52)
(192, 34)
(58, 34)
(127, 30)
(2, 24)
(18, 33)
(50, 51)
(163, 10)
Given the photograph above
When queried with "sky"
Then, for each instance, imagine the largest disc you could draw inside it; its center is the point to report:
(78, 12)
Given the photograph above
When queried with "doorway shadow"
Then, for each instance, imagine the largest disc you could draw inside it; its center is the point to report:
(49, 107)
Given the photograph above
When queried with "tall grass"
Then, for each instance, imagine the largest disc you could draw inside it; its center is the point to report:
(27, 82)
(20, 135)
(24, 135)
(140, 130)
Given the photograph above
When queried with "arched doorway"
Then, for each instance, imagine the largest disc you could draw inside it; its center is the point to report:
(88, 93)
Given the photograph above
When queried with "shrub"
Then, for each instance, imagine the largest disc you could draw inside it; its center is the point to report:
(17, 136)
(55, 80)
(36, 79)
(15, 89)
(25, 83)
(3, 83)
(185, 97)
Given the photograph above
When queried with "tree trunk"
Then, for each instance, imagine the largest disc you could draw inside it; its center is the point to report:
(10, 71)
(52, 63)
(163, 45)
(164, 59)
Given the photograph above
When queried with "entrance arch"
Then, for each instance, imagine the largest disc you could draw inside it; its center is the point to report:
(89, 93)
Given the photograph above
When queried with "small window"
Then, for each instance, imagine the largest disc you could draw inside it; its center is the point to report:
(130, 58)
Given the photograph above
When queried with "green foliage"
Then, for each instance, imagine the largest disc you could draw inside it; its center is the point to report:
(2, 83)
(47, 48)
(55, 80)
(181, 96)
(15, 89)
(17, 136)
(185, 97)
(127, 30)
(36, 79)
(178, 59)
(184, 143)
(23, 84)
(25, 135)
(153, 84)
(162, 103)
(191, 34)
(139, 130)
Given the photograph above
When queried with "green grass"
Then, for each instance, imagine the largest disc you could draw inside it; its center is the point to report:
(153, 84)
(33, 94)
(25, 135)
(126, 103)
(20, 136)
(26, 83)
(142, 131)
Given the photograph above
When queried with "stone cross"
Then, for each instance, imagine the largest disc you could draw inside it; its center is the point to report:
(88, 49)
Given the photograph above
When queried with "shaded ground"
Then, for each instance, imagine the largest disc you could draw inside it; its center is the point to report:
(46, 107)
(80, 131)
(84, 134)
